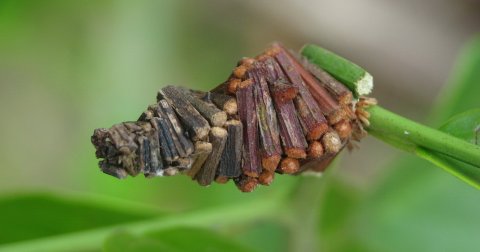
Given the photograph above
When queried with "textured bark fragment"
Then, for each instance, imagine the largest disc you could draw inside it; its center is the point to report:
(283, 91)
(327, 104)
(339, 91)
(225, 102)
(248, 117)
(231, 159)
(168, 148)
(267, 120)
(313, 120)
(214, 115)
(124, 150)
(218, 138)
(183, 164)
(293, 140)
(202, 151)
(185, 144)
(312, 128)
(195, 124)
(173, 141)
(152, 148)
(122, 138)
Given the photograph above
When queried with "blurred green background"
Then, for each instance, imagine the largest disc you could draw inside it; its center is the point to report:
(67, 67)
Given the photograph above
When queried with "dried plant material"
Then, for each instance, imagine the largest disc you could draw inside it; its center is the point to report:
(293, 140)
(248, 117)
(231, 159)
(185, 146)
(266, 177)
(239, 72)
(326, 102)
(312, 118)
(171, 171)
(232, 85)
(169, 151)
(289, 166)
(267, 120)
(331, 142)
(202, 151)
(274, 114)
(214, 115)
(341, 93)
(344, 129)
(183, 164)
(194, 122)
(151, 157)
(218, 138)
(245, 183)
(225, 102)
(315, 150)
(283, 91)
(222, 179)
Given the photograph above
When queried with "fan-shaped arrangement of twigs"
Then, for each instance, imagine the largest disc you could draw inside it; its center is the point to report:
(276, 113)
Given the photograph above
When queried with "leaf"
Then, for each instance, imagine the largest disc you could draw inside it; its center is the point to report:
(264, 235)
(126, 242)
(464, 126)
(461, 93)
(183, 239)
(32, 216)
(90, 239)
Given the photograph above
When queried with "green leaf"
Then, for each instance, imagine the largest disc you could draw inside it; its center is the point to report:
(461, 93)
(464, 126)
(126, 242)
(32, 216)
(90, 239)
(264, 235)
(183, 239)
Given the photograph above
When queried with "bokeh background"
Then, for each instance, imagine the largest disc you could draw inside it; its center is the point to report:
(67, 67)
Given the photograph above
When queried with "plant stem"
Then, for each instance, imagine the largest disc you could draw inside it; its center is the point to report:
(408, 135)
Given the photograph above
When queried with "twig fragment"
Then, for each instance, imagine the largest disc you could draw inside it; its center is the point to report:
(218, 138)
(193, 121)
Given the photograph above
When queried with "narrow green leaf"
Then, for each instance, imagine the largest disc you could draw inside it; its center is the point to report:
(264, 235)
(463, 89)
(185, 239)
(33, 216)
(125, 242)
(92, 239)
(464, 126)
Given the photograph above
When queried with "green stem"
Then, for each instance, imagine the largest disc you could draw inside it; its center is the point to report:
(93, 239)
(408, 135)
